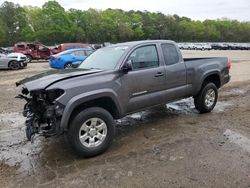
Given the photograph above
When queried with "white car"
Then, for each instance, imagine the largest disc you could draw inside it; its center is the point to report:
(12, 61)
(187, 46)
(203, 46)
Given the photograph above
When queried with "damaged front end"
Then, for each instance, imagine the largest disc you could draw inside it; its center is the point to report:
(43, 113)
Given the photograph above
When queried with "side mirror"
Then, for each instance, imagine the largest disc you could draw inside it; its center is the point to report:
(127, 66)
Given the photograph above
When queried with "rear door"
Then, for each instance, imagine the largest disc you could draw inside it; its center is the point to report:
(145, 83)
(175, 72)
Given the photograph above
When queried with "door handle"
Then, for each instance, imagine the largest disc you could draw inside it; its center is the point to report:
(158, 74)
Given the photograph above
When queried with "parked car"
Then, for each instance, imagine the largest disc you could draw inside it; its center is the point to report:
(12, 61)
(180, 46)
(69, 58)
(243, 46)
(68, 46)
(188, 46)
(233, 46)
(224, 46)
(9, 49)
(202, 46)
(32, 50)
(6, 50)
(3, 50)
(113, 82)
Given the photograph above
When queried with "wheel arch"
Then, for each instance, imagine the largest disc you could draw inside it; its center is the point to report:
(213, 77)
(11, 61)
(65, 62)
(106, 100)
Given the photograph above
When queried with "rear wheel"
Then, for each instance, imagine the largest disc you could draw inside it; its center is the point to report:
(206, 100)
(68, 65)
(14, 65)
(91, 131)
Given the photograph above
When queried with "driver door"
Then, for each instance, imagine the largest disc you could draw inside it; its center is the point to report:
(145, 83)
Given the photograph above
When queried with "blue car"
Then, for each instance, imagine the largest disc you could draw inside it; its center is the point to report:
(69, 58)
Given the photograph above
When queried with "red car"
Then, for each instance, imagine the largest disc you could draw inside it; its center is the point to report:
(32, 50)
(67, 46)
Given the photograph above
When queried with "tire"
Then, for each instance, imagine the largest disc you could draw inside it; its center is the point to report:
(14, 65)
(29, 58)
(68, 65)
(81, 126)
(206, 100)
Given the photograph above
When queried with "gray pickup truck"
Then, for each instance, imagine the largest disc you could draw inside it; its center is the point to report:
(113, 82)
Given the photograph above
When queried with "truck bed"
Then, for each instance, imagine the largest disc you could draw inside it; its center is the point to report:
(198, 68)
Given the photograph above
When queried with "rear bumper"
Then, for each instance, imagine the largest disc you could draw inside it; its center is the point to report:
(225, 79)
(56, 64)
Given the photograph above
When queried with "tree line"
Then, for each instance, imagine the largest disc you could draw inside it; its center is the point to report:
(52, 24)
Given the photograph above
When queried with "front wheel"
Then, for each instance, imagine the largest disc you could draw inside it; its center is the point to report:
(91, 131)
(14, 65)
(206, 100)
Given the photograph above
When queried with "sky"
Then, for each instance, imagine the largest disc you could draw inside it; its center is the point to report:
(194, 9)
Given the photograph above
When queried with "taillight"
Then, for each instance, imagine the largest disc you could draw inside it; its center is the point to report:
(55, 58)
(229, 64)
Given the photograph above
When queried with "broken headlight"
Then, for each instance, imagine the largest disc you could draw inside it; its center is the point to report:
(54, 94)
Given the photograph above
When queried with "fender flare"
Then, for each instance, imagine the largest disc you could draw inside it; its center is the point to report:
(207, 74)
(83, 98)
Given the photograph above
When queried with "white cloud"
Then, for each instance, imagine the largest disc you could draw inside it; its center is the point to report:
(195, 9)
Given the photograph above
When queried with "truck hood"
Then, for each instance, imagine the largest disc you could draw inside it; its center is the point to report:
(46, 79)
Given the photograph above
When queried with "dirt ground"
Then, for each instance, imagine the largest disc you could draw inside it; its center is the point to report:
(172, 146)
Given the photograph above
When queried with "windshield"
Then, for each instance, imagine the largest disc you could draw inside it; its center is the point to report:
(104, 58)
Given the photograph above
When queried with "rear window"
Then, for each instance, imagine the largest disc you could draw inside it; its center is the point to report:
(21, 47)
(78, 53)
(170, 54)
(31, 46)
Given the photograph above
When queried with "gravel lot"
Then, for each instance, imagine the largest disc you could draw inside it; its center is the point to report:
(171, 146)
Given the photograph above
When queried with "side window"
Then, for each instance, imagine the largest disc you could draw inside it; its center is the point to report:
(144, 57)
(79, 53)
(31, 46)
(170, 54)
(20, 47)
